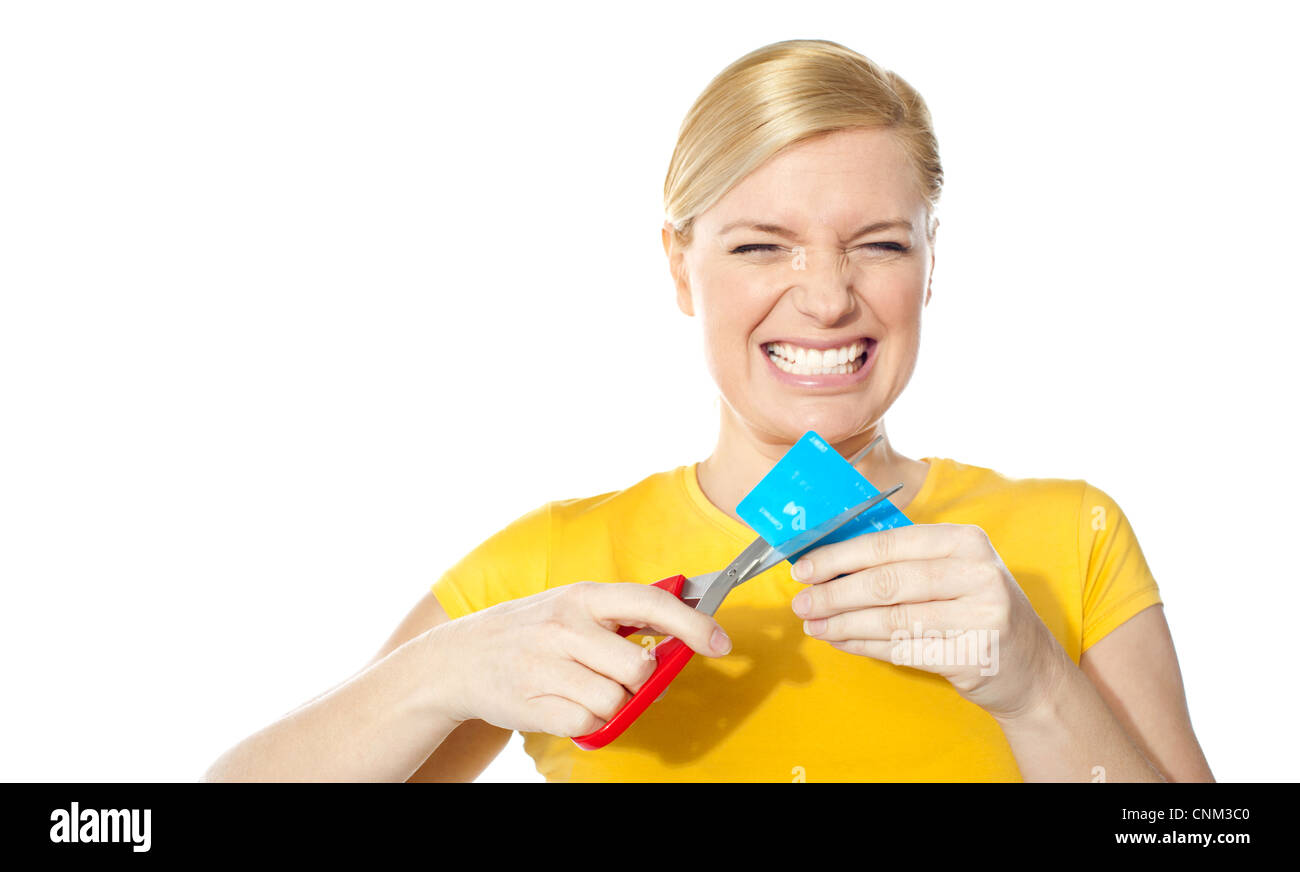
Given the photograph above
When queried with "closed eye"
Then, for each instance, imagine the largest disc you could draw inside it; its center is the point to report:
(880, 246)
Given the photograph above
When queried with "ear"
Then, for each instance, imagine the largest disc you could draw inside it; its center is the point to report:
(929, 285)
(676, 264)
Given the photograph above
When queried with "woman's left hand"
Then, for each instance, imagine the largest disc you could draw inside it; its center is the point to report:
(939, 598)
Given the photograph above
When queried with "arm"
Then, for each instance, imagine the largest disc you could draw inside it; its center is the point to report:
(1122, 709)
(384, 723)
(550, 662)
(470, 747)
(867, 595)
(1135, 670)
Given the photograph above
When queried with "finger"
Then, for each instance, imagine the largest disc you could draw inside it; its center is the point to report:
(883, 622)
(560, 716)
(598, 694)
(890, 652)
(911, 581)
(610, 655)
(644, 605)
(913, 542)
(931, 655)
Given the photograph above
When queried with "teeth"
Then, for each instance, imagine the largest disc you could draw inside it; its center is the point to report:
(813, 361)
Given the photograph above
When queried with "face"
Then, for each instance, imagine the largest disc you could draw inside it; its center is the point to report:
(811, 322)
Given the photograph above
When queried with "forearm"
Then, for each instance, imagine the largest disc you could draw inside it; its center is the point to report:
(380, 725)
(1070, 734)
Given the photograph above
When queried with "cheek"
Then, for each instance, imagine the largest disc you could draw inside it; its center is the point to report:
(726, 350)
(899, 303)
(900, 316)
(729, 314)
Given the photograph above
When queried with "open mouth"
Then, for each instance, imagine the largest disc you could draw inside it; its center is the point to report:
(798, 360)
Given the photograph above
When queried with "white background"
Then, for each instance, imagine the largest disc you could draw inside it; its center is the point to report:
(301, 301)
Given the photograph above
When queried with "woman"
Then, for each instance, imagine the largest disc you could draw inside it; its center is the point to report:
(800, 231)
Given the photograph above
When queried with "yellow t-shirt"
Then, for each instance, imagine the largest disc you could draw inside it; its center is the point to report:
(783, 706)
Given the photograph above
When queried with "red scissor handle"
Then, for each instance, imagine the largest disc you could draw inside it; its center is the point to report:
(671, 655)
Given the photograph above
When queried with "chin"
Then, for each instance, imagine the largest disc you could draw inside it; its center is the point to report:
(833, 425)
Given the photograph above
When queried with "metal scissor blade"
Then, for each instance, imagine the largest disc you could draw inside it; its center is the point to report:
(863, 453)
(697, 586)
(809, 538)
(740, 570)
(760, 557)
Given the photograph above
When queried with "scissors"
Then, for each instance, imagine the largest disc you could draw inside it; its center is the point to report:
(706, 592)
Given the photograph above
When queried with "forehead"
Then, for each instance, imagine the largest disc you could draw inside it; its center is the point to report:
(836, 178)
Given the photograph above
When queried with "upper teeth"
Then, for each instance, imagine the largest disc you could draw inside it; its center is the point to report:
(815, 359)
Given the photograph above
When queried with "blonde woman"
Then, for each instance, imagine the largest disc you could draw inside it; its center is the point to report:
(800, 231)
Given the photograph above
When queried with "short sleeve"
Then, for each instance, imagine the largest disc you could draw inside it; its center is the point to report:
(514, 562)
(1117, 583)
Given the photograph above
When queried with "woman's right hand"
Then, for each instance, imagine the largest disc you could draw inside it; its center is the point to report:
(554, 663)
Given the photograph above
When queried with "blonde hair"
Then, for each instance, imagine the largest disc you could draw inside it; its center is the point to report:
(781, 94)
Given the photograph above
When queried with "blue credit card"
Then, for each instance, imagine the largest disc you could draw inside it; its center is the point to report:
(813, 483)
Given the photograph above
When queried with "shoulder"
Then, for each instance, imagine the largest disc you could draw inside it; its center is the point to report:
(966, 488)
(1044, 518)
(629, 532)
(534, 531)
(561, 541)
(648, 495)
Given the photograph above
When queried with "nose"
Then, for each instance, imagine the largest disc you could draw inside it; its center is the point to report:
(823, 284)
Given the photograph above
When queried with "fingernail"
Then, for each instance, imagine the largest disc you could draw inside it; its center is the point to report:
(812, 628)
(801, 603)
(720, 643)
(802, 569)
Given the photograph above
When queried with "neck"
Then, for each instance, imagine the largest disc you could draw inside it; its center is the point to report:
(742, 457)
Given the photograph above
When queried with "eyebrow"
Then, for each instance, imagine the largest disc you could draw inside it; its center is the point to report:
(778, 230)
